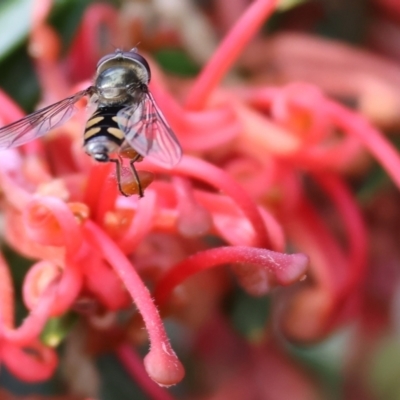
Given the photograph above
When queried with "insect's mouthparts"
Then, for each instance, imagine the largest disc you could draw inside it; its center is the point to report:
(101, 157)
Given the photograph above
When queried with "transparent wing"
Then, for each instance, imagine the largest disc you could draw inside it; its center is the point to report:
(40, 122)
(147, 132)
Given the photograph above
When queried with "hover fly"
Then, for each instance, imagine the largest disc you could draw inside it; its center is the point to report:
(126, 123)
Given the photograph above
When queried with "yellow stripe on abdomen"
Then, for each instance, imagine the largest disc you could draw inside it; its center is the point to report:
(93, 121)
(91, 132)
(116, 132)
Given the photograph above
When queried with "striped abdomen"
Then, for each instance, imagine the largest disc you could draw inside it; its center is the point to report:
(104, 123)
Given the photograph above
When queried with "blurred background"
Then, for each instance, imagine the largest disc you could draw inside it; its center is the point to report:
(350, 49)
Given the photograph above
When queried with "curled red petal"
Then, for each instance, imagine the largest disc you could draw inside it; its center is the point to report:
(373, 140)
(355, 228)
(216, 177)
(310, 233)
(67, 282)
(17, 237)
(50, 222)
(33, 363)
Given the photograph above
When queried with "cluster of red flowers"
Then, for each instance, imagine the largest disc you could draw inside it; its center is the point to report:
(249, 154)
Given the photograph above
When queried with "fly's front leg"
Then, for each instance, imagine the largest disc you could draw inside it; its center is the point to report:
(136, 175)
(118, 172)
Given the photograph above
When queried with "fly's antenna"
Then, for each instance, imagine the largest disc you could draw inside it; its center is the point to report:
(116, 49)
(111, 44)
(135, 49)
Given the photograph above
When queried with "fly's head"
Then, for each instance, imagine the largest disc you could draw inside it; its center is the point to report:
(117, 72)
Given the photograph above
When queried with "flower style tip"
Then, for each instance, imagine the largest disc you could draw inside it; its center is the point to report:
(161, 362)
(163, 367)
(292, 267)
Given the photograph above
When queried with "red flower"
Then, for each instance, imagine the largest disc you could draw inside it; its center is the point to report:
(239, 183)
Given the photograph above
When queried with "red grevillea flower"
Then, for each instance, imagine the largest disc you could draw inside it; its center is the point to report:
(240, 183)
(374, 81)
(66, 212)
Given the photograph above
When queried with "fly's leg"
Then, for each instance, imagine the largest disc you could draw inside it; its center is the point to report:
(131, 163)
(118, 162)
(118, 171)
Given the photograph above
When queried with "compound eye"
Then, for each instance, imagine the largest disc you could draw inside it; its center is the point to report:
(105, 58)
(135, 56)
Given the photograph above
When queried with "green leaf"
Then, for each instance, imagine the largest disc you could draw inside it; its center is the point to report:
(285, 5)
(383, 370)
(249, 314)
(57, 328)
(327, 360)
(18, 78)
(15, 21)
(177, 62)
(65, 17)
(115, 381)
(376, 180)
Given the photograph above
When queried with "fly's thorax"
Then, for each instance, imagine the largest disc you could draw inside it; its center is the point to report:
(113, 84)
